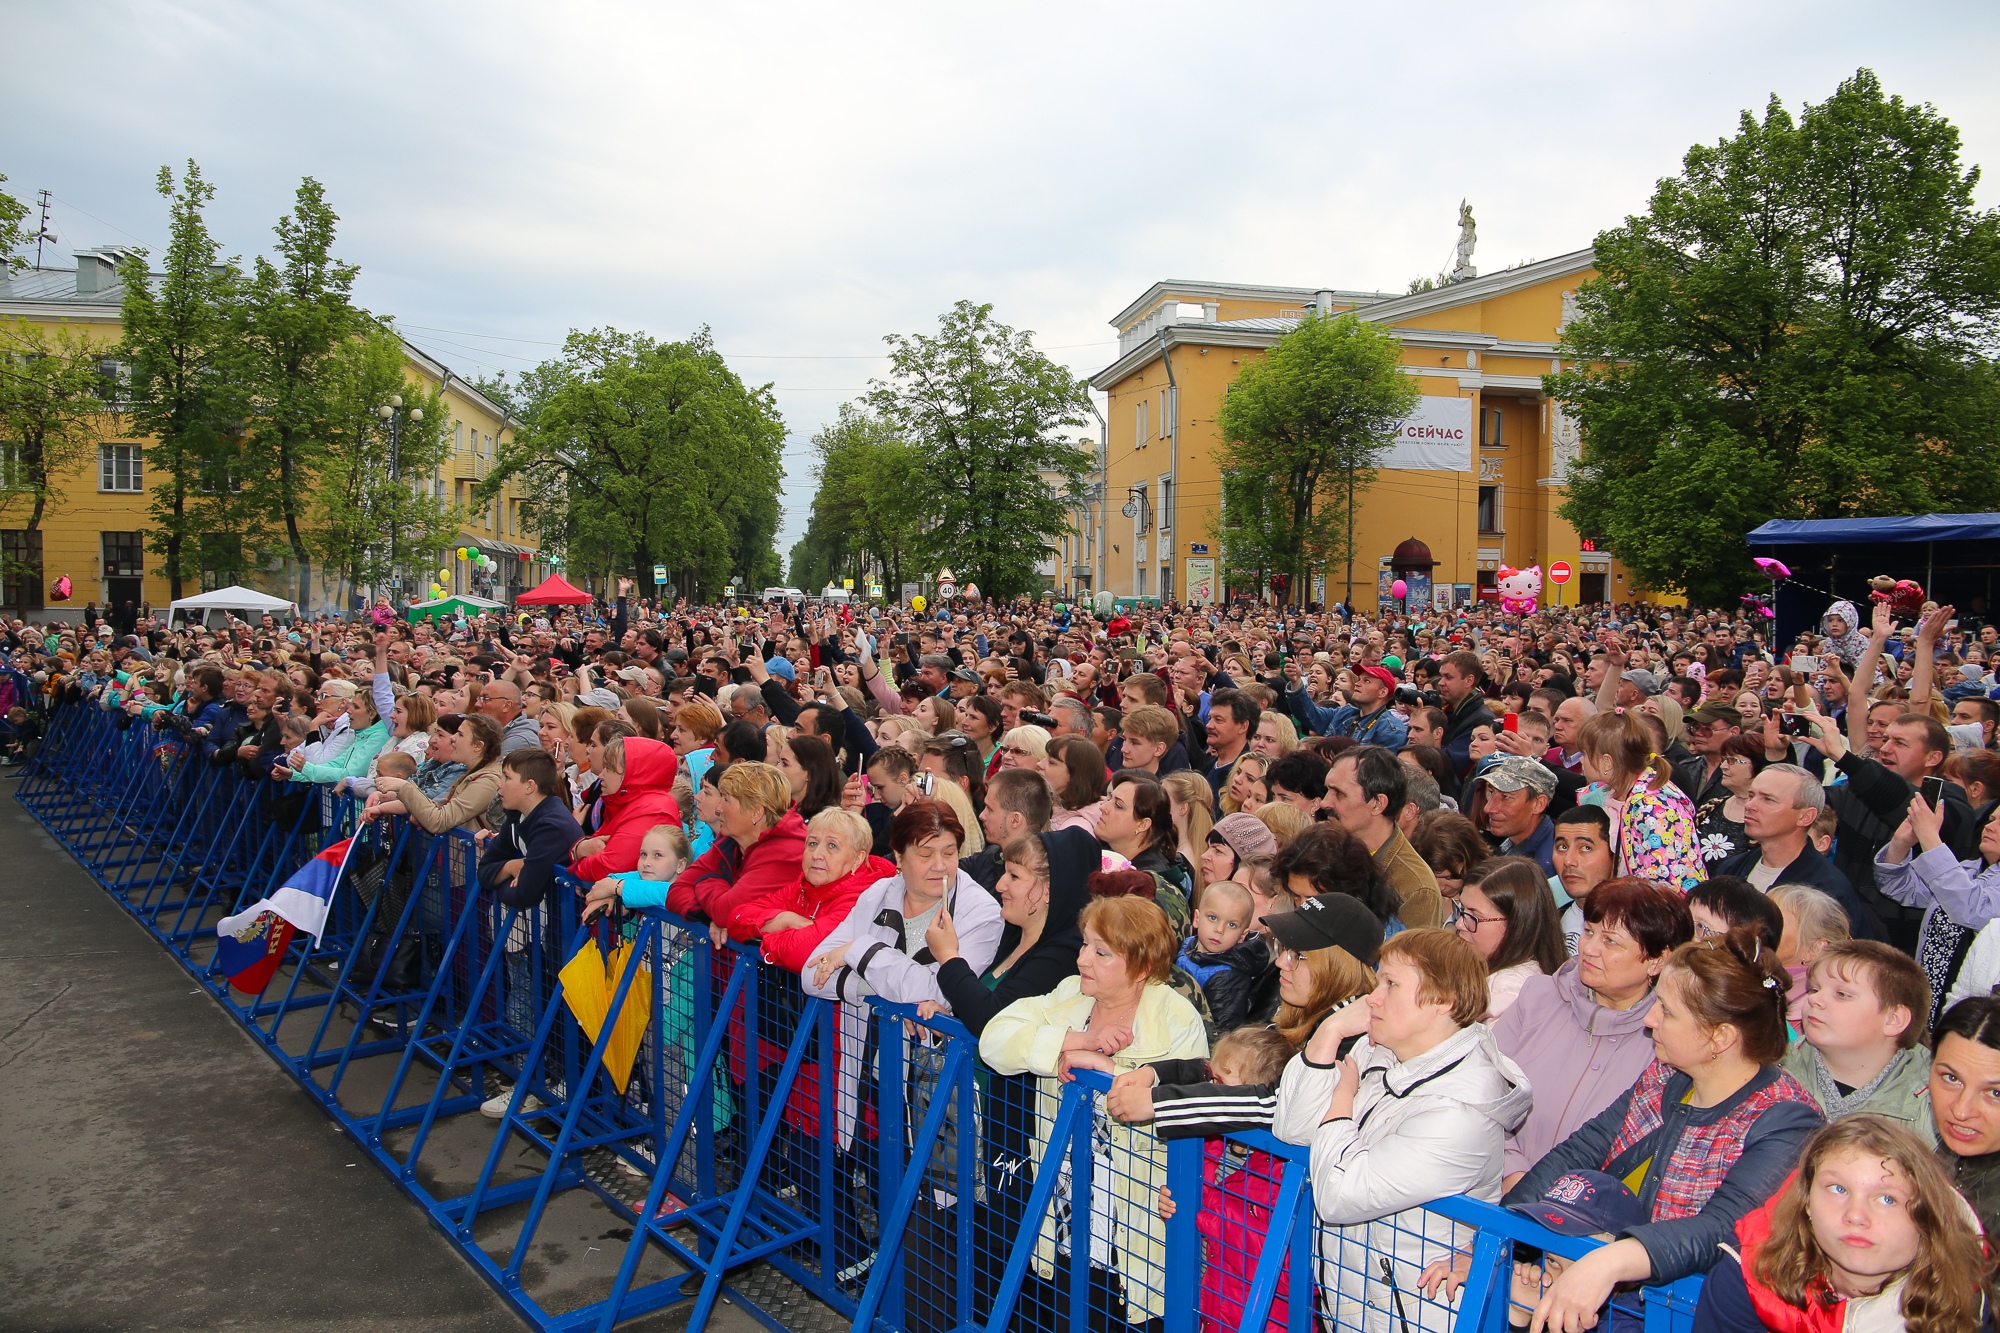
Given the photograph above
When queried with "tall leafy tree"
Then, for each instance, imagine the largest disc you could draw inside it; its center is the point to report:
(300, 315)
(1302, 429)
(184, 343)
(1801, 325)
(635, 452)
(867, 511)
(52, 413)
(374, 525)
(992, 422)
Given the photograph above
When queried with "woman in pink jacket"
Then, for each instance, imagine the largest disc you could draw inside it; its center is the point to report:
(1580, 1035)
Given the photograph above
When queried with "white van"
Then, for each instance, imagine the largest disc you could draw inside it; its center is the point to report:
(784, 595)
(837, 596)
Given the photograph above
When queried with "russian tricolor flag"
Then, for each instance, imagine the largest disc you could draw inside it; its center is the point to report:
(252, 943)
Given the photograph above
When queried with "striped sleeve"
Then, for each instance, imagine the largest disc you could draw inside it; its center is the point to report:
(1204, 1110)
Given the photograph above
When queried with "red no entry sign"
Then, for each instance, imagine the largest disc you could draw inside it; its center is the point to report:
(1560, 572)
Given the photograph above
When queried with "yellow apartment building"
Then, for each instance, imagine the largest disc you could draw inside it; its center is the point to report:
(94, 531)
(1474, 477)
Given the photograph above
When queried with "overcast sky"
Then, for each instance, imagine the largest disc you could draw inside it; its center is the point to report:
(806, 178)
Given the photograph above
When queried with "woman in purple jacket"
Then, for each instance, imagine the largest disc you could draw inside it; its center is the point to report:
(1580, 1035)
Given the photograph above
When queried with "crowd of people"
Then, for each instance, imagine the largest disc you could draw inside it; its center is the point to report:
(1629, 919)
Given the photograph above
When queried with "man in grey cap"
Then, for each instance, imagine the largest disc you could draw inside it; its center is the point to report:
(1635, 687)
(1514, 808)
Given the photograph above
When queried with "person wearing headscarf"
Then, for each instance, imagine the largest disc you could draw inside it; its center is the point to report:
(1841, 626)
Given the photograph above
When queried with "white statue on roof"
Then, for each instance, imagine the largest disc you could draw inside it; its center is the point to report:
(1468, 236)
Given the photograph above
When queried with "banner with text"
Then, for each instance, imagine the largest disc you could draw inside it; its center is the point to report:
(1435, 437)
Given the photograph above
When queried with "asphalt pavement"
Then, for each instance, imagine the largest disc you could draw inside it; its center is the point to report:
(157, 1170)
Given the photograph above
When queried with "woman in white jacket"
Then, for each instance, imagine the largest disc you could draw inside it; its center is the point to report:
(879, 949)
(1419, 1110)
(1118, 1013)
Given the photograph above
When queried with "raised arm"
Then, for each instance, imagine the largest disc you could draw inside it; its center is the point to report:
(1928, 630)
(1863, 685)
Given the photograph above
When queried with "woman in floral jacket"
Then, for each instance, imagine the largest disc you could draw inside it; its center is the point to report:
(1658, 836)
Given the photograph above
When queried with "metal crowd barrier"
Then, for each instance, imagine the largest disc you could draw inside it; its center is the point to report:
(864, 1154)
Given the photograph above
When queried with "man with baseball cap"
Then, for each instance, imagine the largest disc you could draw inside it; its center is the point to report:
(1514, 807)
(1635, 687)
(1707, 728)
(1367, 716)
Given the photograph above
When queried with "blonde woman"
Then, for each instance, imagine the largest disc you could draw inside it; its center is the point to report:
(1275, 736)
(1247, 790)
(1024, 747)
(1192, 801)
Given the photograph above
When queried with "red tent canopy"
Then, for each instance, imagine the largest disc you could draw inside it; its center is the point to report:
(554, 591)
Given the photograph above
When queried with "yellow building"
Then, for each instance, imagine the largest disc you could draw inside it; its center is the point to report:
(94, 531)
(1475, 476)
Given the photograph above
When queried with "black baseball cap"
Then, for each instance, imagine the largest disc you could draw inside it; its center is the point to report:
(1326, 921)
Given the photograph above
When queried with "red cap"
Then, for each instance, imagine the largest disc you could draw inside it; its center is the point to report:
(1380, 673)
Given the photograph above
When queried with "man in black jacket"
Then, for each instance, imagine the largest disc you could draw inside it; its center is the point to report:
(1778, 815)
(1459, 677)
(1876, 797)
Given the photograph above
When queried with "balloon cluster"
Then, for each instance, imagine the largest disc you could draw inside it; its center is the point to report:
(1777, 572)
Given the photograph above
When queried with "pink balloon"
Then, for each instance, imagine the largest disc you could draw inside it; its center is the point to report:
(1773, 569)
(1399, 590)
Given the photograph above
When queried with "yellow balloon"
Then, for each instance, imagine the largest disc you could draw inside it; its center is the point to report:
(443, 574)
(917, 603)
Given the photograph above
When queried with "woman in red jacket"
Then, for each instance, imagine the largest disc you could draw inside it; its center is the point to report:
(837, 869)
(760, 849)
(637, 781)
(1867, 1234)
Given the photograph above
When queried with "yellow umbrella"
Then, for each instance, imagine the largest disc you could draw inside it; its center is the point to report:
(589, 980)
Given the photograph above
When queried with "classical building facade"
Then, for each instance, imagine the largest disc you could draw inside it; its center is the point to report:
(94, 531)
(1474, 477)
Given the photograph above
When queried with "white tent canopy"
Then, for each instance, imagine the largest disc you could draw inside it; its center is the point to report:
(211, 608)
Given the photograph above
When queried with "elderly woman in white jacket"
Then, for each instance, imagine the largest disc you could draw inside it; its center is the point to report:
(1118, 1013)
(1419, 1110)
(880, 948)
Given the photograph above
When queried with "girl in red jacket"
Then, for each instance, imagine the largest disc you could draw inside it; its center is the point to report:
(637, 781)
(1867, 1235)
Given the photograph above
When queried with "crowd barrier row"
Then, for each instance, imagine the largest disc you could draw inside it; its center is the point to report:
(864, 1153)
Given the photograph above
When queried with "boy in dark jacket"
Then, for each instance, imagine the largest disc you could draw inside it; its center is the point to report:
(517, 866)
(1224, 957)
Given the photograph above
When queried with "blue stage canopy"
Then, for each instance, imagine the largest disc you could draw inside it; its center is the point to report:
(1914, 528)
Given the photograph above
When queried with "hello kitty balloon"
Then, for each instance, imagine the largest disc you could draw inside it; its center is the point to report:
(1520, 589)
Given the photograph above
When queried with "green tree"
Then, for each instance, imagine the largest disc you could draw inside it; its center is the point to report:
(300, 316)
(375, 526)
(1800, 325)
(1302, 429)
(12, 234)
(184, 344)
(867, 511)
(990, 419)
(52, 413)
(635, 452)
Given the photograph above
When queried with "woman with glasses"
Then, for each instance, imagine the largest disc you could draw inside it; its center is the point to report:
(1023, 747)
(1580, 1035)
(1719, 821)
(1510, 916)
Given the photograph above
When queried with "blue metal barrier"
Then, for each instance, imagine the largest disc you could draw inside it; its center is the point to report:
(864, 1152)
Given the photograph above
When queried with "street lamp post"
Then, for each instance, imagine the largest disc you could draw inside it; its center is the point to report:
(393, 412)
